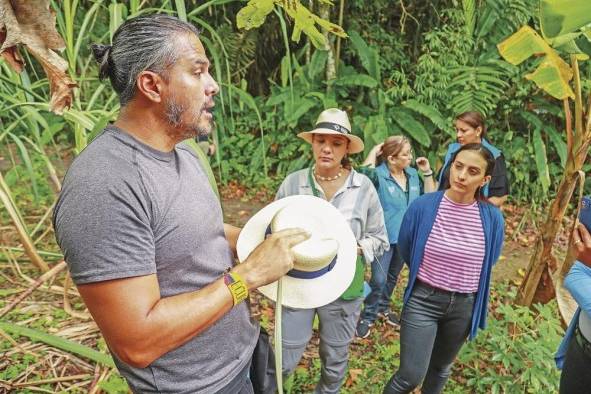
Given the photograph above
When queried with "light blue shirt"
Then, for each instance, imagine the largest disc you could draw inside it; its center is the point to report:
(578, 283)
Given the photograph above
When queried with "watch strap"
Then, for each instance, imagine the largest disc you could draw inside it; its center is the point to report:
(237, 287)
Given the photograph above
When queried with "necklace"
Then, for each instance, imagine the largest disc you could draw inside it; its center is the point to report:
(328, 178)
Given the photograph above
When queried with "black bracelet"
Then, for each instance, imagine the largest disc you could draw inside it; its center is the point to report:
(429, 174)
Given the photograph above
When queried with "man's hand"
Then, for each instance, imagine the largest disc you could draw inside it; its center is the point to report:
(140, 326)
(582, 244)
(272, 259)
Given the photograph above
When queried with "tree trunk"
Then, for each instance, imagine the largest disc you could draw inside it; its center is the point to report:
(538, 285)
(338, 48)
(542, 262)
(331, 71)
(566, 303)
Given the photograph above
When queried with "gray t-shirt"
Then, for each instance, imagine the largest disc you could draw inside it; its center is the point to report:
(127, 210)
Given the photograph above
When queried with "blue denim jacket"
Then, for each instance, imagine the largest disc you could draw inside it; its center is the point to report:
(414, 232)
(578, 283)
(453, 148)
(394, 200)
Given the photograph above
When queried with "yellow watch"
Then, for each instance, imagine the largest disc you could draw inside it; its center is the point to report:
(237, 287)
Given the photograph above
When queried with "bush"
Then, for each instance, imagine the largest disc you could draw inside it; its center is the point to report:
(515, 354)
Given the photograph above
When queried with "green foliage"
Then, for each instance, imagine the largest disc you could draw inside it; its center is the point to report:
(413, 88)
(255, 12)
(59, 343)
(115, 384)
(515, 354)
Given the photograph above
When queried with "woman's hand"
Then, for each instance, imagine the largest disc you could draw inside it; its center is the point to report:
(423, 164)
(582, 244)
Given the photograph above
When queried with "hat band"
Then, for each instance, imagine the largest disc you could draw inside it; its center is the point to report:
(333, 126)
(294, 273)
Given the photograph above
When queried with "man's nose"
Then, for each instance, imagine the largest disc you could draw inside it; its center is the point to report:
(211, 86)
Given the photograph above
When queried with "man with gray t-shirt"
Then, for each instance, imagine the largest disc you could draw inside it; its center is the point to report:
(142, 231)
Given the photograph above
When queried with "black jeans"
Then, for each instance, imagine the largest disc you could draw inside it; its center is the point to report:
(576, 371)
(434, 325)
(384, 275)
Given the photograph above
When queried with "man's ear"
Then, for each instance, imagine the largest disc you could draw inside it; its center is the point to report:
(486, 180)
(150, 84)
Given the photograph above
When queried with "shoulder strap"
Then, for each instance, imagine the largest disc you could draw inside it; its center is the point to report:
(312, 183)
(496, 152)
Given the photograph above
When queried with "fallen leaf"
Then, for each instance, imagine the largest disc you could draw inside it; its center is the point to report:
(32, 24)
(353, 376)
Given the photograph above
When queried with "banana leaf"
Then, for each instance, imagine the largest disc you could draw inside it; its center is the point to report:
(561, 22)
(560, 17)
(541, 159)
(552, 75)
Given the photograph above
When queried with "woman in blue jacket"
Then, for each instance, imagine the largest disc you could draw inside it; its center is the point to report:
(398, 185)
(471, 129)
(574, 354)
(450, 240)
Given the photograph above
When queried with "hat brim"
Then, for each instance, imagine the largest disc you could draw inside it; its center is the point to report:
(306, 293)
(355, 145)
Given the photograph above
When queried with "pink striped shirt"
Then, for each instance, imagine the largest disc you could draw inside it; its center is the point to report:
(454, 252)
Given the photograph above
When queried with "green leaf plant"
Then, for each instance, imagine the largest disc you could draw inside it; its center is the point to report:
(560, 21)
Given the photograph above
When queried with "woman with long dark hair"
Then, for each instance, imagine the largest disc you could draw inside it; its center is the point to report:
(471, 129)
(450, 240)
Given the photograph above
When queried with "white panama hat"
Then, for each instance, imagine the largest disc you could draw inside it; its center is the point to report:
(334, 121)
(317, 279)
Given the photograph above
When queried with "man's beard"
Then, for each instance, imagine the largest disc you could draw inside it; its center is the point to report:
(181, 130)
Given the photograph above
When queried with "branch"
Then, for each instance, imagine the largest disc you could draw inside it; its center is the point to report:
(46, 276)
(20, 228)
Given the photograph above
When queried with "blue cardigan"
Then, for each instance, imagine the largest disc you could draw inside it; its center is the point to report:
(414, 232)
(578, 283)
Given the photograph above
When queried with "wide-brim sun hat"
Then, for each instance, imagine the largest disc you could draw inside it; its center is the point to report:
(334, 121)
(325, 264)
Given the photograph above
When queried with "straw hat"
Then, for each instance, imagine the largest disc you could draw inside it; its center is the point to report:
(325, 263)
(334, 121)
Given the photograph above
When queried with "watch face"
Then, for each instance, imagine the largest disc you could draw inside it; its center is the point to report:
(228, 279)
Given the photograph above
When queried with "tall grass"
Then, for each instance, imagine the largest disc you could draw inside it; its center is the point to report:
(36, 141)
